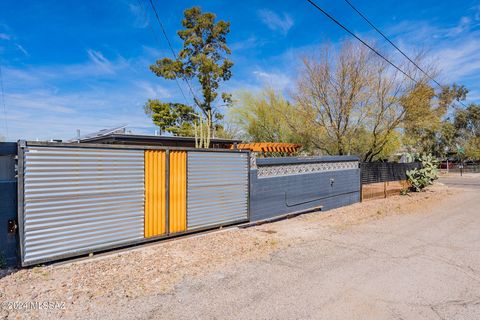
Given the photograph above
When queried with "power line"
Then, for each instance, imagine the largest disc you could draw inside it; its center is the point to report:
(3, 102)
(395, 46)
(159, 42)
(359, 39)
(171, 47)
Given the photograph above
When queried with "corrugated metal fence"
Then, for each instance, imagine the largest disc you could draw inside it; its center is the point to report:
(76, 199)
(216, 174)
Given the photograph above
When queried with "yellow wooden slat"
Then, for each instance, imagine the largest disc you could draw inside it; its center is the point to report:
(178, 191)
(155, 195)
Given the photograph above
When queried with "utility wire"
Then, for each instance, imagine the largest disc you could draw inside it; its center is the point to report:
(359, 39)
(171, 47)
(3, 102)
(395, 46)
(160, 43)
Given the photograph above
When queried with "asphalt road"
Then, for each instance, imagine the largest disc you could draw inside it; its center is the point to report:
(468, 181)
(415, 266)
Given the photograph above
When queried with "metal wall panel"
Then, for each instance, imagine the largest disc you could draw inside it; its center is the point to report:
(275, 196)
(78, 200)
(178, 192)
(217, 188)
(155, 193)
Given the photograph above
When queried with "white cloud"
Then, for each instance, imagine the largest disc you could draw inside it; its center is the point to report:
(275, 21)
(97, 66)
(47, 114)
(21, 48)
(141, 18)
(41, 100)
(476, 14)
(153, 91)
(250, 42)
(459, 60)
(454, 50)
(4, 36)
(462, 26)
(275, 80)
(52, 101)
(100, 61)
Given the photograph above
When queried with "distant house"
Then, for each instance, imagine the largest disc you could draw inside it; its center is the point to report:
(152, 140)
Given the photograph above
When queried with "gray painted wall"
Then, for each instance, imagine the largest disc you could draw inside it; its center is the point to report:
(8, 204)
(277, 195)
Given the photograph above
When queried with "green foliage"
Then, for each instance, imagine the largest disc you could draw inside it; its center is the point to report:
(421, 178)
(426, 127)
(176, 118)
(266, 117)
(467, 124)
(203, 57)
(269, 117)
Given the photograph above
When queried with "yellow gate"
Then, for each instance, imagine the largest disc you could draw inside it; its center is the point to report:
(156, 193)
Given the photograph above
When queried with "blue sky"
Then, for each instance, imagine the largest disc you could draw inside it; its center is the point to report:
(84, 64)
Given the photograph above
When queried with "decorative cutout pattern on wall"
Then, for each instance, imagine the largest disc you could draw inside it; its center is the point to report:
(290, 169)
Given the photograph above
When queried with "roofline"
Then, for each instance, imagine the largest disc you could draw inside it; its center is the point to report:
(137, 137)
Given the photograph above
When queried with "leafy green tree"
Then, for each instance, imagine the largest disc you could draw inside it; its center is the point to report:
(176, 118)
(467, 124)
(263, 117)
(427, 128)
(204, 57)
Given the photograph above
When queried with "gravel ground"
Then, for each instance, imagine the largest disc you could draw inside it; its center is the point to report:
(113, 286)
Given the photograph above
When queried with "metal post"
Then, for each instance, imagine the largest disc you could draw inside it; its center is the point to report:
(361, 182)
(167, 192)
(21, 145)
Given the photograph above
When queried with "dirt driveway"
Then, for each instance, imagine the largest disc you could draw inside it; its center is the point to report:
(409, 257)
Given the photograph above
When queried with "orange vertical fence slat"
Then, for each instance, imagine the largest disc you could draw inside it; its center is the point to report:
(178, 191)
(155, 195)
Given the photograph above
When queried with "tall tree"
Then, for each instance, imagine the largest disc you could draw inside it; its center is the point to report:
(204, 57)
(427, 127)
(355, 99)
(332, 95)
(467, 123)
(262, 117)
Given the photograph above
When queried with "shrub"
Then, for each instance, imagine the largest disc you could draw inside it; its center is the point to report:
(423, 177)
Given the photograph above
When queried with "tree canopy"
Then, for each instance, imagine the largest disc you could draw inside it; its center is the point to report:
(349, 101)
(204, 57)
(175, 118)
